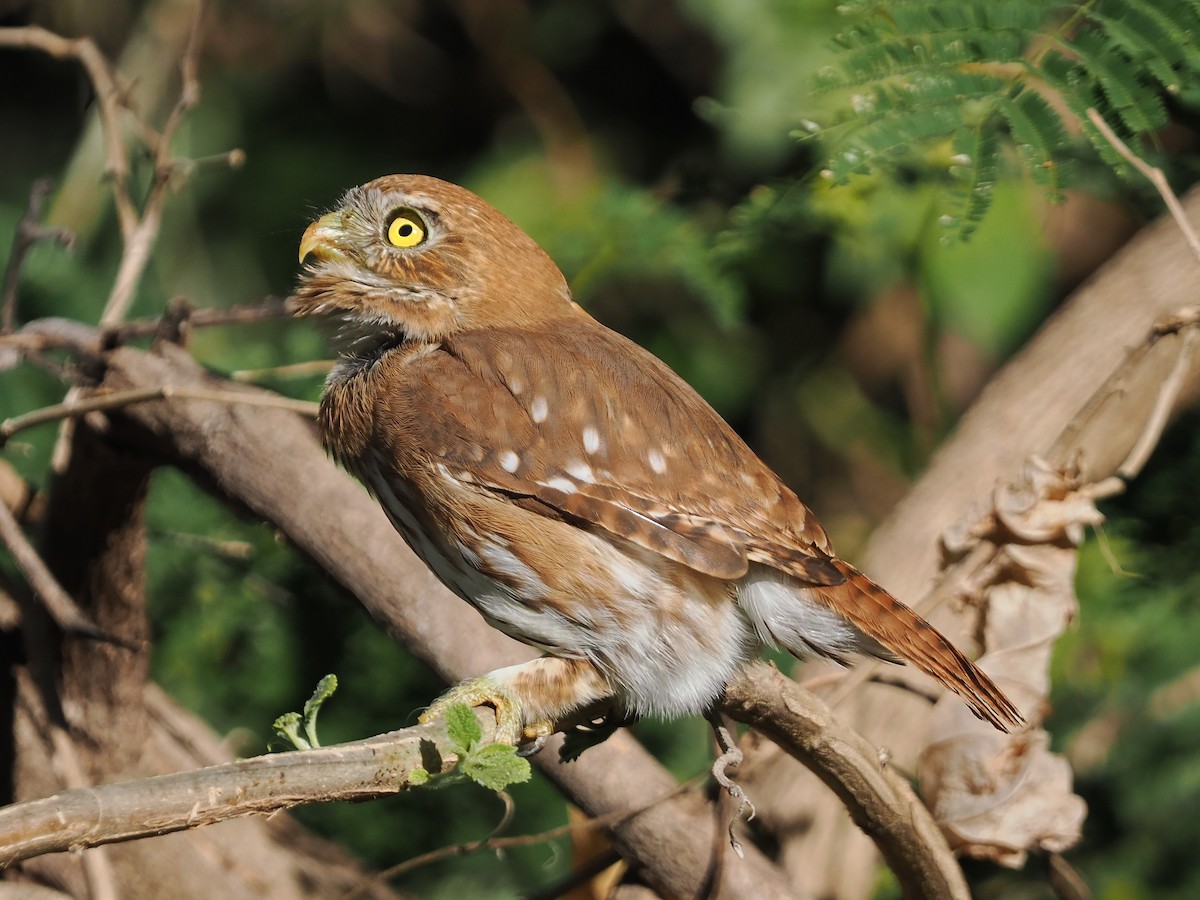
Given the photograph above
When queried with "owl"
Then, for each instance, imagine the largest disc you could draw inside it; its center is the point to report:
(567, 483)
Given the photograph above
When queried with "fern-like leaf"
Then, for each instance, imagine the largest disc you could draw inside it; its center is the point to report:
(976, 74)
(1038, 133)
(977, 158)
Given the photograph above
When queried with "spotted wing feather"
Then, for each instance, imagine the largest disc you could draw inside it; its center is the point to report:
(596, 429)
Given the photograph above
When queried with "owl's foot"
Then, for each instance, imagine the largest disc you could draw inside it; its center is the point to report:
(531, 699)
(511, 727)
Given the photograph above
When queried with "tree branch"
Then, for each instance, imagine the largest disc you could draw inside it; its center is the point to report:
(89, 817)
(879, 799)
(109, 97)
(29, 232)
(1152, 174)
(1030, 404)
(57, 602)
(141, 237)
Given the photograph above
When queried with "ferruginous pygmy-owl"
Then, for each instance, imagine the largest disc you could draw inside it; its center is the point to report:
(566, 482)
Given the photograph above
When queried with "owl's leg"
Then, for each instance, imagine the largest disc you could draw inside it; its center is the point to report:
(529, 698)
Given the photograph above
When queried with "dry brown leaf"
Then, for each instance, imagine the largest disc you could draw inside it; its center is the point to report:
(999, 796)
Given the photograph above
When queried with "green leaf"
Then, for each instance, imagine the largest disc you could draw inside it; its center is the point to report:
(287, 727)
(496, 766)
(462, 727)
(324, 690)
(418, 777)
(978, 151)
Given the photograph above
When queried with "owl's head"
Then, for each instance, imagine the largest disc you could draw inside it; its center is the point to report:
(413, 256)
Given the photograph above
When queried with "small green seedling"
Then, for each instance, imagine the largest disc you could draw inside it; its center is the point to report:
(288, 725)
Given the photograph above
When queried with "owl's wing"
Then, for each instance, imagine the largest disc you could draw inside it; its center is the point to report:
(591, 427)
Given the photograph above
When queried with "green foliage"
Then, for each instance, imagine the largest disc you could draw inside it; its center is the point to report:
(941, 87)
(494, 766)
(462, 727)
(288, 725)
(771, 49)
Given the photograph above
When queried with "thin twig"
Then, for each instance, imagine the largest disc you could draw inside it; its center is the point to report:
(294, 370)
(108, 96)
(880, 678)
(1164, 404)
(591, 868)
(208, 317)
(1154, 175)
(29, 232)
(139, 242)
(495, 841)
(441, 853)
(51, 334)
(73, 409)
(62, 608)
(1064, 880)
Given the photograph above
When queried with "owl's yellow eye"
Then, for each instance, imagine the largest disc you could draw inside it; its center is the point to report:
(405, 229)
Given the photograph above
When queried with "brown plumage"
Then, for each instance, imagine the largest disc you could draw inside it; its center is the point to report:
(565, 481)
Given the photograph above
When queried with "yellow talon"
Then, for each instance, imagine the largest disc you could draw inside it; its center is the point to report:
(536, 731)
(510, 722)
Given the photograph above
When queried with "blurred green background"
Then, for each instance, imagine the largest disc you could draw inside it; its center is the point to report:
(646, 146)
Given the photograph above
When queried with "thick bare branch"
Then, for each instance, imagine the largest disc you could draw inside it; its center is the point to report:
(89, 817)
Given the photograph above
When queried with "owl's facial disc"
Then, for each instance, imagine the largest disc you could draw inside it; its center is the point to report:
(412, 257)
(380, 269)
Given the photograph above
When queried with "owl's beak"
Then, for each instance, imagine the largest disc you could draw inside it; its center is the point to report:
(324, 239)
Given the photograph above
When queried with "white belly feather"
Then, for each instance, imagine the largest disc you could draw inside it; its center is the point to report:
(674, 660)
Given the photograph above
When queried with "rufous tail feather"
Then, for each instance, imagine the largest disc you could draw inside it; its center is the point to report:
(878, 614)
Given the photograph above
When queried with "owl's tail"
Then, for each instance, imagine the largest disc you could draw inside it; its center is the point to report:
(899, 630)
